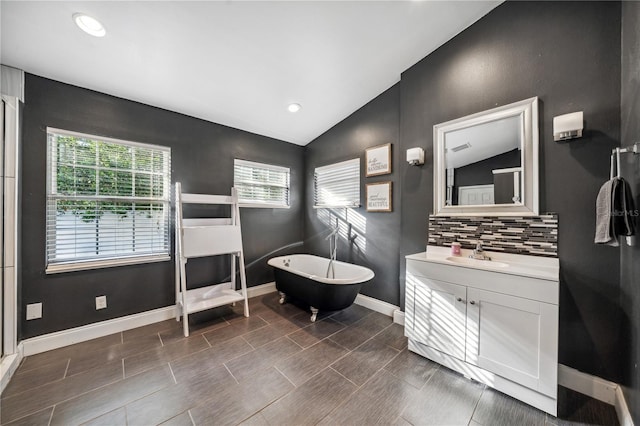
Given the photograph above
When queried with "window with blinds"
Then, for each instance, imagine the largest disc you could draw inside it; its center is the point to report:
(337, 185)
(261, 185)
(108, 202)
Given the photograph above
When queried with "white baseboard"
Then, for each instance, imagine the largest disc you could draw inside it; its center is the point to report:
(9, 365)
(261, 289)
(597, 388)
(593, 386)
(376, 305)
(47, 342)
(62, 338)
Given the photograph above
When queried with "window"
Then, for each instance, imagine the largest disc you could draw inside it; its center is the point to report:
(261, 185)
(337, 185)
(108, 202)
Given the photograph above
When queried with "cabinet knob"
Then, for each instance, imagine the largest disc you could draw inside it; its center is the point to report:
(460, 299)
(473, 302)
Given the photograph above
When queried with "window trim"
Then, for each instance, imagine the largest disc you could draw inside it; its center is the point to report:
(91, 264)
(267, 166)
(338, 166)
(85, 265)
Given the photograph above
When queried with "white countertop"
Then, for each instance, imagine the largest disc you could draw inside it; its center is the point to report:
(545, 268)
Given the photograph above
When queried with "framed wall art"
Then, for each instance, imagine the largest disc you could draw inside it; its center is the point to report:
(378, 160)
(379, 197)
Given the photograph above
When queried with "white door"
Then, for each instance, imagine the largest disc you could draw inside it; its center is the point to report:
(439, 315)
(513, 337)
(476, 195)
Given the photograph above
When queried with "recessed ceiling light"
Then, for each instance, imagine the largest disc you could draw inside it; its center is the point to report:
(294, 107)
(89, 25)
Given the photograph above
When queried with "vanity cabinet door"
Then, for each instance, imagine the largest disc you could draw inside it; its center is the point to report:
(513, 337)
(439, 315)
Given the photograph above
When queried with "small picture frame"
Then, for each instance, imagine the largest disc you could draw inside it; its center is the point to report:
(379, 197)
(378, 160)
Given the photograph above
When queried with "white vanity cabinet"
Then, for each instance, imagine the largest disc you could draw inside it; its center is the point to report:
(496, 327)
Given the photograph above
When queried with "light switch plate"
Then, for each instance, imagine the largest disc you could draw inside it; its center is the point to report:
(34, 311)
(101, 302)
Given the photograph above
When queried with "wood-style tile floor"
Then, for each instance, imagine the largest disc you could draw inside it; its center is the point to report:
(274, 368)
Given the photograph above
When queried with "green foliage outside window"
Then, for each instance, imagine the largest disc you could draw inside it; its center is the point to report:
(87, 168)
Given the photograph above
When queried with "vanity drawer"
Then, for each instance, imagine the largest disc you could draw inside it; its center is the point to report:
(515, 285)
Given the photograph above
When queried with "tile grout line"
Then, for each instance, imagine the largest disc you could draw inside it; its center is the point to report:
(206, 341)
(475, 407)
(338, 344)
(355, 322)
(234, 377)
(191, 417)
(345, 377)
(172, 375)
(160, 337)
(437, 368)
(344, 401)
(286, 377)
(301, 347)
(124, 376)
(66, 370)
(51, 415)
(247, 342)
(67, 399)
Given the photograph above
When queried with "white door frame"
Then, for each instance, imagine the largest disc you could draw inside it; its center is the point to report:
(12, 91)
(10, 216)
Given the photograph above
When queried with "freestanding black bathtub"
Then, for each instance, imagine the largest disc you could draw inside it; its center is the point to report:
(303, 277)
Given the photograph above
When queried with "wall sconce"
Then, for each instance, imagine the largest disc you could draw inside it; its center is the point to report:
(415, 156)
(567, 126)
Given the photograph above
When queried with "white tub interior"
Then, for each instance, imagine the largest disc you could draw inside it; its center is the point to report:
(315, 268)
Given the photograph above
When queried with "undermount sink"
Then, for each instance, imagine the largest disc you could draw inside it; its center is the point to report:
(477, 262)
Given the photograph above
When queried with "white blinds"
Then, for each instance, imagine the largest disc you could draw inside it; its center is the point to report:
(106, 200)
(337, 185)
(261, 184)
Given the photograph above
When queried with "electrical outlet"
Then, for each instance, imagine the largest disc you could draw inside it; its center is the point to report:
(101, 302)
(34, 311)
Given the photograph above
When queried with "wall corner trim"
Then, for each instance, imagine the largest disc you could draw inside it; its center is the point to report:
(9, 365)
(597, 388)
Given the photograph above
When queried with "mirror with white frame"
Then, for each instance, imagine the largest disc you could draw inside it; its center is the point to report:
(486, 164)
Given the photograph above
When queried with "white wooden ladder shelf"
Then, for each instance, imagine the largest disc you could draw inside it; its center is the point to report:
(201, 237)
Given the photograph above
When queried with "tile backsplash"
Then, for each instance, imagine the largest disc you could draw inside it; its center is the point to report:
(532, 235)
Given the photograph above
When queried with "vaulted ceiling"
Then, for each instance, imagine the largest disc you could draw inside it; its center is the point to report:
(237, 63)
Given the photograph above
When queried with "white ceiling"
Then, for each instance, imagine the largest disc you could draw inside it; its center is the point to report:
(237, 63)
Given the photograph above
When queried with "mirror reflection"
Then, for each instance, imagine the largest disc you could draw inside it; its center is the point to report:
(484, 163)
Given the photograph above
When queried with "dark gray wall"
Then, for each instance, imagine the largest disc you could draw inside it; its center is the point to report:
(202, 159)
(630, 256)
(378, 241)
(567, 54)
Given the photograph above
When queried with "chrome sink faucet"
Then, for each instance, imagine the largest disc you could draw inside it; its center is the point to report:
(478, 253)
